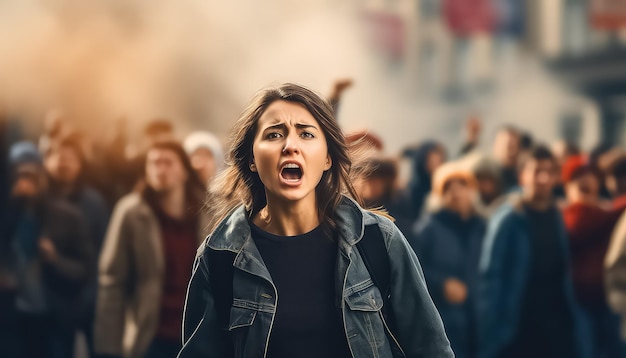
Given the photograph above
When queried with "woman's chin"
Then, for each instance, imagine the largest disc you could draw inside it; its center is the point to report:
(292, 194)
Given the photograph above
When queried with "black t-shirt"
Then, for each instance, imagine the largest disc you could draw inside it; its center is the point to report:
(545, 326)
(307, 323)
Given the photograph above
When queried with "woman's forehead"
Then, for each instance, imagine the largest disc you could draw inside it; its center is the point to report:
(288, 113)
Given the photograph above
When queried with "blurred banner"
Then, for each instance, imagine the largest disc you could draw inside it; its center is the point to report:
(608, 14)
(387, 32)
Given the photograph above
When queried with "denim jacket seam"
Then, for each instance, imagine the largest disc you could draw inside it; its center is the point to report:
(251, 305)
(358, 287)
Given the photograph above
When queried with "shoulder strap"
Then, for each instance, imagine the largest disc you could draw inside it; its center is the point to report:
(374, 254)
(221, 269)
(373, 251)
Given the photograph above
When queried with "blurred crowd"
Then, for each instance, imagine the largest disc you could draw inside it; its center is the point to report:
(70, 203)
(523, 248)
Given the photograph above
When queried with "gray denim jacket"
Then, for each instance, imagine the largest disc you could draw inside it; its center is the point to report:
(418, 330)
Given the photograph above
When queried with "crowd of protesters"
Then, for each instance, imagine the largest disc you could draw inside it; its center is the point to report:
(523, 249)
(91, 237)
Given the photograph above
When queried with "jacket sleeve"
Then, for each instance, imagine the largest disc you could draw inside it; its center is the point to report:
(499, 286)
(418, 326)
(114, 274)
(202, 336)
(615, 268)
(421, 241)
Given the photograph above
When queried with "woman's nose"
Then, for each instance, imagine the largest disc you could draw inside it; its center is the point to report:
(291, 146)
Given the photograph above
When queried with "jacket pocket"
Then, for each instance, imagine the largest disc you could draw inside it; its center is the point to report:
(367, 298)
(241, 317)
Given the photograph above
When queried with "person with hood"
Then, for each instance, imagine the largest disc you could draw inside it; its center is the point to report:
(45, 244)
(426, 158)
(448, 243)
(526, 304)
(589, 229)
(282, 273)
(205, 153)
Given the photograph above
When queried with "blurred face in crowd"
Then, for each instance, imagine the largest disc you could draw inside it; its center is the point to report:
(290, 152)
(538, 178)
(63, 164)
(458, 196)
(164, 171)
(584, 189)
(488, 188)
(435, 159)
(506, 148)
(29, 182)
(203, 163)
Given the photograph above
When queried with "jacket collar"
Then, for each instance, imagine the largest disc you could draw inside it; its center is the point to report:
(233, 233)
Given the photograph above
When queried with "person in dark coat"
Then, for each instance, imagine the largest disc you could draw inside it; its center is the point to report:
(47, 252)
(526, 298)
(65, 164)
(447, 242)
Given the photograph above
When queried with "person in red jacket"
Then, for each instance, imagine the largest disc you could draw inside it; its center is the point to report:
(589, 229)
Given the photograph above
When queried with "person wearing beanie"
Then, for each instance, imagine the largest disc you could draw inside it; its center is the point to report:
(45, 248)
(206, 154)
(447, 242)
(589, 229)
(490, 186)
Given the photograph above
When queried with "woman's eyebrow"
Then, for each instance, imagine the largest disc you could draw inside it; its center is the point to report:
(283, 126)
(306, 126)
(276, 126)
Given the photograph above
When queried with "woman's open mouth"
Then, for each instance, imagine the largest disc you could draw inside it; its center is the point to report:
(291, 173)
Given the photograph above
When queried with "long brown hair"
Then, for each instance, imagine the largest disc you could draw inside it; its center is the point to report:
(238, 185)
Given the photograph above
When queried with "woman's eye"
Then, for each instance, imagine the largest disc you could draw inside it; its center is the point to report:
(273, 135)
(307, 135)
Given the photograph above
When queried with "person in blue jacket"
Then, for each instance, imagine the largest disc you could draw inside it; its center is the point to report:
(448, 242)
(526, 299)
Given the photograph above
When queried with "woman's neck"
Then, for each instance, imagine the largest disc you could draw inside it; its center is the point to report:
(288, 218)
